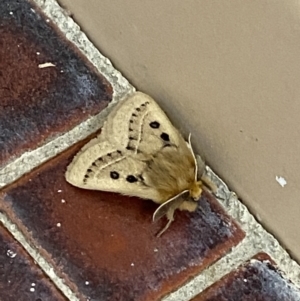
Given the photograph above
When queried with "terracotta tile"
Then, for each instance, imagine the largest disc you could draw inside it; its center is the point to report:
(20, 278)
(258, 279)
(105, 243)
(37, 104)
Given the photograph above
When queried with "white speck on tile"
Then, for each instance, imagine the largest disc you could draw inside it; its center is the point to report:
(32, 10)
(11, 254)
(87, 283)
(132, 264)
(32, 284)
(47, 20)
(281, 180)
(11, 13)
(63, 201)
(155, 250)
(61, 71)
(245, 280)
(58, 224)
(46, 65)
(38, 53)
(32, 289)
(59, 190)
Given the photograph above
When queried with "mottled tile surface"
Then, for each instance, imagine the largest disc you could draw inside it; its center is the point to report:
(106, 244)
(37, 104)
(20, 278)
(257, 280)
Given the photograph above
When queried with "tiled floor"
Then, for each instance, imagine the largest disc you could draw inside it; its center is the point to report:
(20, 278)
(94, 245)
(257, 279)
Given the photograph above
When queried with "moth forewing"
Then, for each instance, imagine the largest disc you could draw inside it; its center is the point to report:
(139, 153)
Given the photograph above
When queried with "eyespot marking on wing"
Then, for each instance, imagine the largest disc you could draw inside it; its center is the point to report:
(165, 137)
(131, 179)
(154, 124)
(114, 175)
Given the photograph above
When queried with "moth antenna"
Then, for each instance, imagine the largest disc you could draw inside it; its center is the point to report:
(191, 148)
(160, 211)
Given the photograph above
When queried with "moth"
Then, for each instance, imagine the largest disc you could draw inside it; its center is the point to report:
(140, 153)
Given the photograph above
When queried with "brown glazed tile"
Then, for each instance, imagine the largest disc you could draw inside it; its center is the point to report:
(39, 104)
(257, 280)
(104, 244)
(20, 278)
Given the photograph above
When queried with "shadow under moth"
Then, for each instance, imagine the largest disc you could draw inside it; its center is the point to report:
(139, 153)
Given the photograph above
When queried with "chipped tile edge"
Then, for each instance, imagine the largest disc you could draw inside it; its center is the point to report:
(42, 263)
(257, 240)
(121, 89)
(60, 17)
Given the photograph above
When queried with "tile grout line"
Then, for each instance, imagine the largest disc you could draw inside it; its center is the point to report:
(72, 32)
(42, 263)
(121, 89)
(257, 240)
(31, 159)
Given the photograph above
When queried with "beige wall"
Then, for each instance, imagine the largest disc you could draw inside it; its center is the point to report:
(226, 71)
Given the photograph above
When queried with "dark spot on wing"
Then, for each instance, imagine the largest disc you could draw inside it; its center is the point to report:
(154, 124)
(131, 179)
(129, 147)
(114, 175)
(165, 137)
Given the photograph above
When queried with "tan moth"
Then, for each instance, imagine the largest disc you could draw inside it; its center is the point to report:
(140, 153)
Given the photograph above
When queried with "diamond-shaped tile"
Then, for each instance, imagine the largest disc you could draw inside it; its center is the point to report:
(257, 280)
(37, 103)
(20, 278)
(105, 243)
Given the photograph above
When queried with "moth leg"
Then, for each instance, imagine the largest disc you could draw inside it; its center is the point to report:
(170, 217)
(208, 185)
